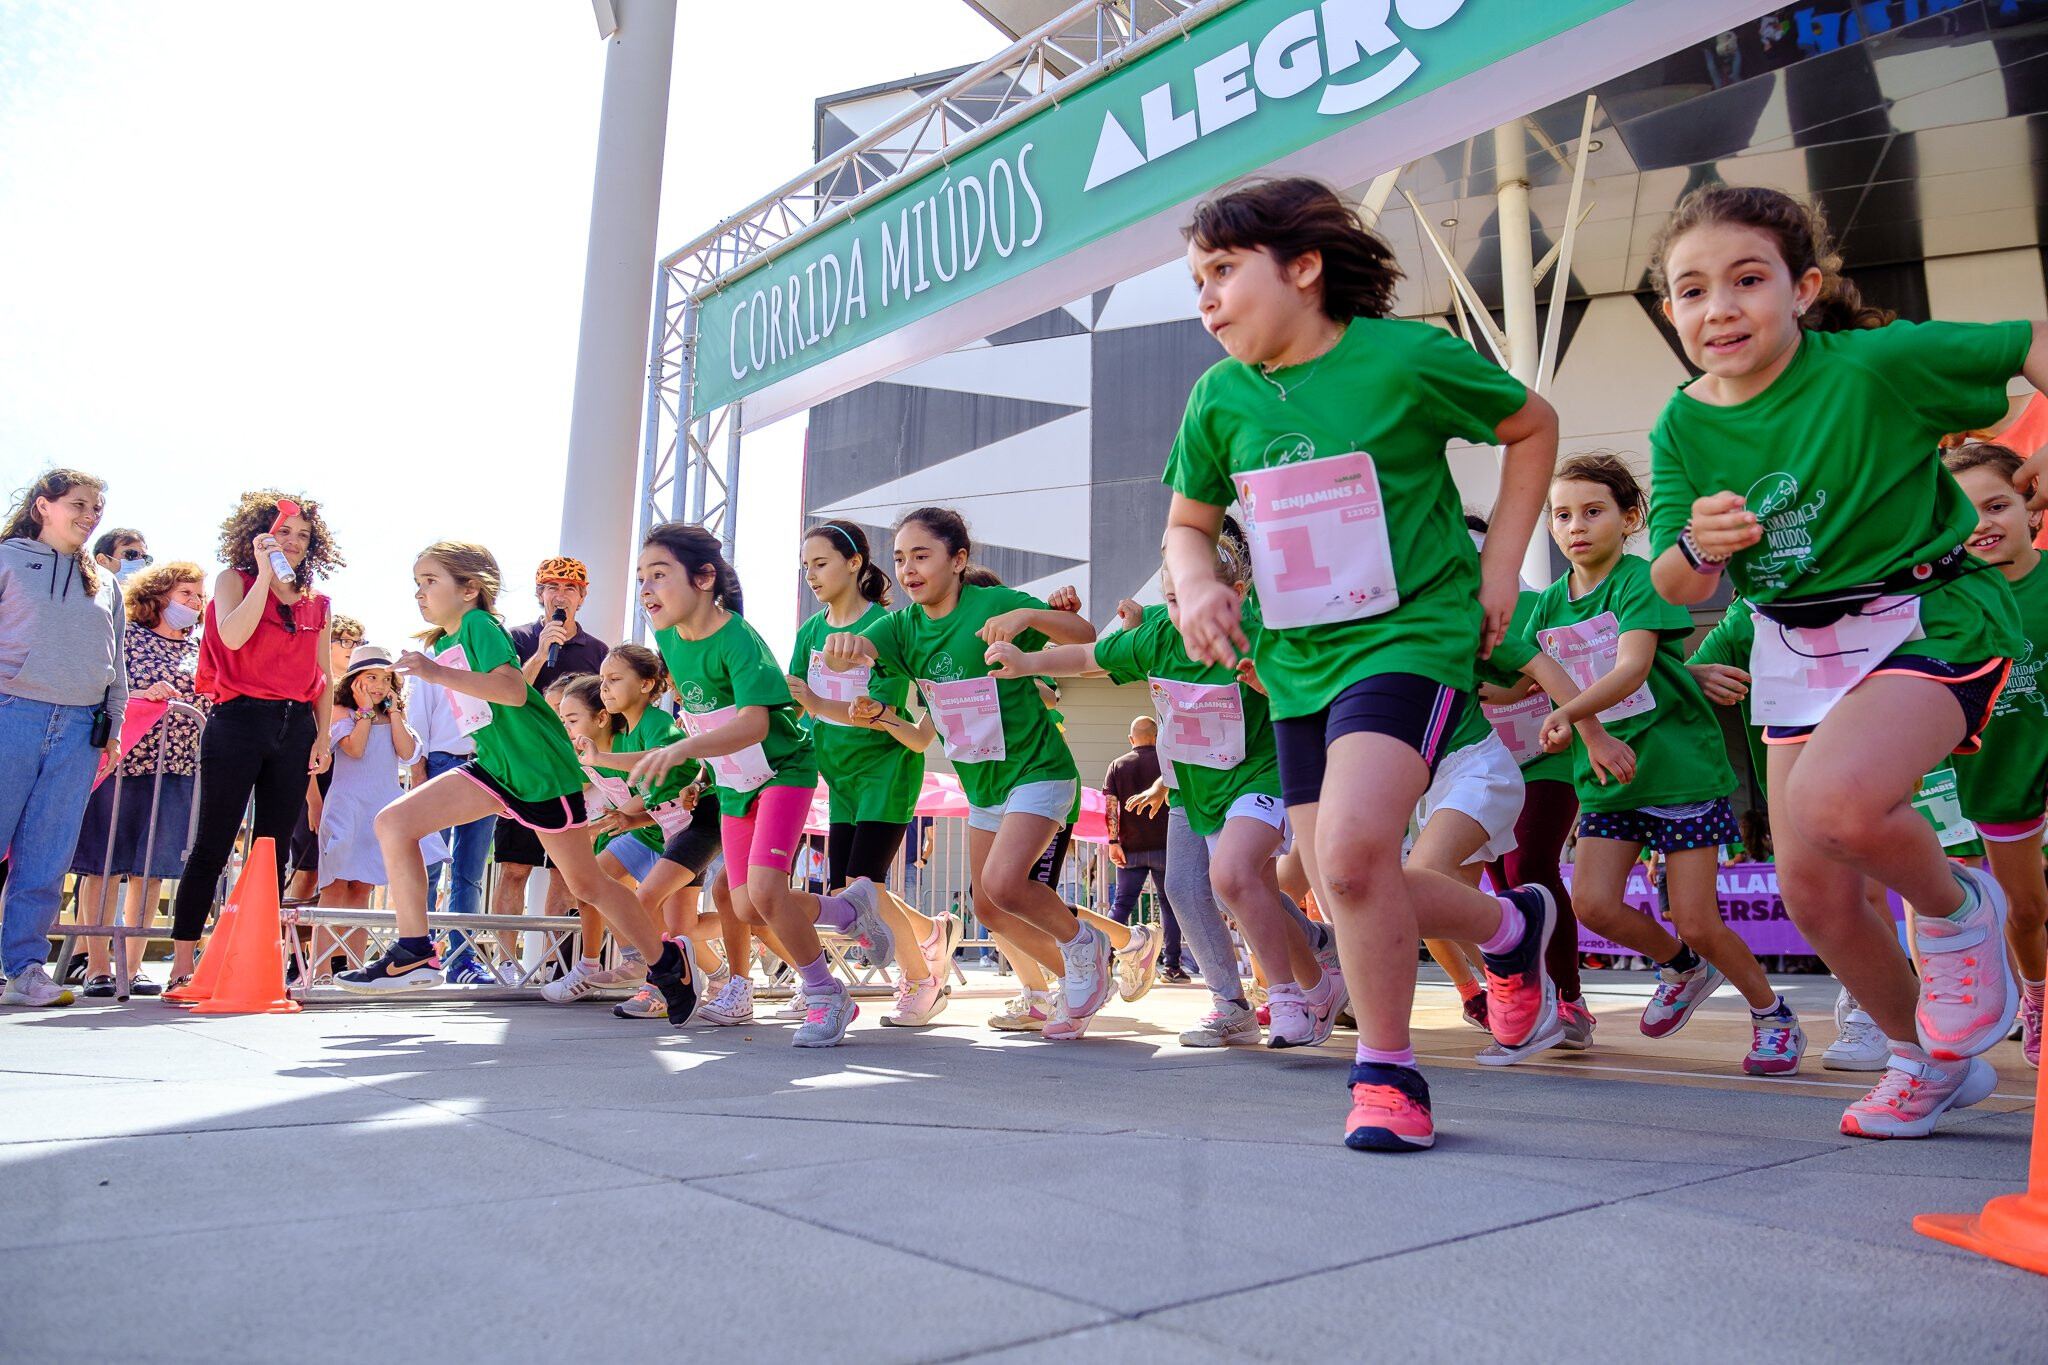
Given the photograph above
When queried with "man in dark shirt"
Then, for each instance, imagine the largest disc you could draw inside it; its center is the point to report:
(1137, 842)
(560, 584)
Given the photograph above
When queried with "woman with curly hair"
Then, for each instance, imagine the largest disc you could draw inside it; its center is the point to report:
(263, 662)
(62, 693)
(144, 825)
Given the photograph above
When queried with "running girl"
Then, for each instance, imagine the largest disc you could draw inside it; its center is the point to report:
(1605, 622)
(1803, 461)
(740, 717)
(1018, 774)
(873, 769)
(524, 770)
(2004, 786)
(577, 699)
(1327, 423)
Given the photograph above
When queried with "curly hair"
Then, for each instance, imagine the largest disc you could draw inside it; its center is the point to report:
(1798, 227)
(255, 514)
(341, 628)
(24, 524)
(147, 592)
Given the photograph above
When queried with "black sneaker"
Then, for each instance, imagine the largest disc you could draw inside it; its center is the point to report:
(671, 975)
(1175, 976)
(1521, 999)
(397, 970)
(1475, 1010)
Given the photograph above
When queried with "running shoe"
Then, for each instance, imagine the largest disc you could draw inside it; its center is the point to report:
(35, 989)
(1579, 1023)
(1025, 1013)
(1776, 1043)
(1134, 965)
(2030, 1030)
(937, 950)
(868, 926)
(1175, 976)
(1475, 1010)
(917, 1003)
(1294, 1023)
(1521, 999)
(396, 970)
(470, 972)
(1325, 1015)
(628, 975)
(1063, 1027)
(1676, 995)
(1967, 990)
(1914, 1093)
(1085, 985)
(572, 985)
(1228, 1023)
(645, 1004)
(1389, 1110)
(826, 1024)
(677, 984)
(797, 1007)
(1860, 1045)
(733, 1004)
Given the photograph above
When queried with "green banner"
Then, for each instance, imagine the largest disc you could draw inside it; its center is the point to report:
(1257, 82)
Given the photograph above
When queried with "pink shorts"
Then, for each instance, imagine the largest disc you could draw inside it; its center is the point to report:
(768, 834)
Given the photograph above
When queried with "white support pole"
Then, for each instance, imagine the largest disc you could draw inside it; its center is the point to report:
(1495, 341)
(1518, 291)
(1553, 325)
(1376, 195)
(618, 285)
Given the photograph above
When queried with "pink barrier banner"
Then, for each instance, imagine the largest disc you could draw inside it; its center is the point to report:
(135, 722)
(1750, 905)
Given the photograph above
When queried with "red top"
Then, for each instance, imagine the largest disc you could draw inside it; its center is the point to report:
(274, 663)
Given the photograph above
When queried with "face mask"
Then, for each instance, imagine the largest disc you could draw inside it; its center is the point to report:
(178, 616)
(129, 568)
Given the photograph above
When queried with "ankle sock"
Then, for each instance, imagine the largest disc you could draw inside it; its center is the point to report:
(1771, 1011)
(837, 911)
(1374, 1056)
(421, 945)
(1512, 926)
(1469, 987)
(1969, 889)
(1684, 961)
(1319, 994)
(817, 976)
(2032, 990)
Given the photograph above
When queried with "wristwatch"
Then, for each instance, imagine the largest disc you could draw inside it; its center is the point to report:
(1699, 559)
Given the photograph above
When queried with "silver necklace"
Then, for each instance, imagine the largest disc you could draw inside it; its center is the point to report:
(1266, 371)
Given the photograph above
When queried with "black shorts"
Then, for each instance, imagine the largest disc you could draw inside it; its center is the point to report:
(865, 849)
(697, 843)
(550, 816)
(1420, 712)
(1054, 858)
(1974, 686)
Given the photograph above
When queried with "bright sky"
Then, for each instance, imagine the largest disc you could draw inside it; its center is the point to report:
(339, 248)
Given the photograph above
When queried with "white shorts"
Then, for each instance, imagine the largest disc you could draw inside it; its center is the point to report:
(1480, 781)
(1255, 806)
(1053, 800)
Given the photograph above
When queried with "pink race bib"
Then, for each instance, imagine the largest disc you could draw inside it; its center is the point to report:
(1318, 531)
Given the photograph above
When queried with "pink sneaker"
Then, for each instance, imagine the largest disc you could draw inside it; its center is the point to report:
(1064, 1027)
(1967, 990)
(2030, 1030)
(917, 1003)
(1914, 1093)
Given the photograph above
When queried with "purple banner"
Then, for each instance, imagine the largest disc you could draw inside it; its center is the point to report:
(1750, 905)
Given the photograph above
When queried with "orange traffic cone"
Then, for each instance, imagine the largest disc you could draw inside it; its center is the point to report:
(2013, 1227)
(211, 962)
(252, 982)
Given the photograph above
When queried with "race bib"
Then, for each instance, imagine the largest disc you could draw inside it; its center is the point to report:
(609, 788)
(1318, 532)
(471, 713)
(1199, 723)
(968, 715)
(1589, 651)
(1797, 676)
(1520, 726)
(1941, 806)
(614, 791)
(847, 687)
(740, 772)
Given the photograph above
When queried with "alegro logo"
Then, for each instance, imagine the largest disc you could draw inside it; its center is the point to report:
(1308, 48)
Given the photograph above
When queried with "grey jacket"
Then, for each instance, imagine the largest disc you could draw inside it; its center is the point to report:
(58, 642)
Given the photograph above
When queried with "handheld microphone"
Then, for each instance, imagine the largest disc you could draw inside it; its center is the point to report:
(279, 565)
(555, 650)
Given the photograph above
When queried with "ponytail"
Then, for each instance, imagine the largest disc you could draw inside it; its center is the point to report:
(852, 543)
(700, 553)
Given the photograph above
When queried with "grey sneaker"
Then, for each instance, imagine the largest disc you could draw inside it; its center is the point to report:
(1226, 1025)
(868, 925)
(825, 1025)
(34, 989)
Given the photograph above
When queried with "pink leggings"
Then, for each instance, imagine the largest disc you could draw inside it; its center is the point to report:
(768, 834)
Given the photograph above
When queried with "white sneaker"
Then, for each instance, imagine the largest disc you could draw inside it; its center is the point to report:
(1968, 992)
(1223, 1026)
(917, 1003)
(1290, 1022)
(1023, 1013)
(579, 981)
(34, 989)
(797, 1007)
(1085, 984)
(1914, 1093)
(1860, 1045)
(825, 1026)
(734, 1004)
(1136, 963)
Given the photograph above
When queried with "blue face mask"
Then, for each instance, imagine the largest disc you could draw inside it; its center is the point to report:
(178, 616)
(129, 568)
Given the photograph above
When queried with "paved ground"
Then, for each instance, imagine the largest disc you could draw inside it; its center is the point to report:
(491, 1182)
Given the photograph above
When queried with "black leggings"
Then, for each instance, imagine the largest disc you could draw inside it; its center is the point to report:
(249, 745)
(865, 849)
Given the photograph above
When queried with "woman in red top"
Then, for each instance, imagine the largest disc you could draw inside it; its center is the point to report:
(263, 661)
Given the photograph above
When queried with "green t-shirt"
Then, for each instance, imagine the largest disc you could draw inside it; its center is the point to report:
(525, 749)
(870, 775)
(656, 728)
(1153, 652)
(910, 644)
(1729, 643)
(2006, 781)
(730, 668)
(1398, 391)
(1838, 458)
(1504, 669)
(1679, 756)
